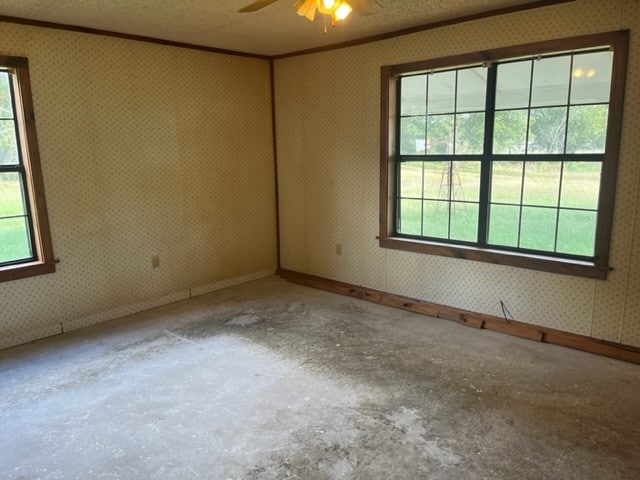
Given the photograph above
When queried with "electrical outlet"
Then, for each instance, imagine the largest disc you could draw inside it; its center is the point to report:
(338, 249)
(155, 261)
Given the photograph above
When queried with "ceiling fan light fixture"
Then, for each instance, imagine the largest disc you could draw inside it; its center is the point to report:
(336, 9)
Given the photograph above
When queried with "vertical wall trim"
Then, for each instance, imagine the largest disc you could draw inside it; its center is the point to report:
(274, 141)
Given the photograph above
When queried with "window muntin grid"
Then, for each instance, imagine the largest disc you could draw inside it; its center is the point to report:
(552, 131)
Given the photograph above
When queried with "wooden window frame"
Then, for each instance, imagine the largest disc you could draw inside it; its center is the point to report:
(390, 75)
(43, 261)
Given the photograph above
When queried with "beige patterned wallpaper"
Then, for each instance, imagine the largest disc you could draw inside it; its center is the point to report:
(146, 150)
(151, 150)
(327, 131)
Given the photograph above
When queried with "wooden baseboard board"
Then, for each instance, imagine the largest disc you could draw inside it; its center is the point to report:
(470, 319)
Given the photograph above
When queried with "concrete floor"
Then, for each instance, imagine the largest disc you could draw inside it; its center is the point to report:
(274, 380)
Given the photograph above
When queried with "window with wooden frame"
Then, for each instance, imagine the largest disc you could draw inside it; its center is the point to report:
(25, 241)
(506, 156)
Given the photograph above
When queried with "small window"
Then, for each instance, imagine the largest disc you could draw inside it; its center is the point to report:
(25, 242)
(510, 159)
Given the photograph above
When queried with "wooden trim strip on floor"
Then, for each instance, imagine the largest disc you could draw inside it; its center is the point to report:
(471, 319)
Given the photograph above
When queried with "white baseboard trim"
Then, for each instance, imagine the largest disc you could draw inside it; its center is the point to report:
(124, 310)
(11, 339)
(230, 282)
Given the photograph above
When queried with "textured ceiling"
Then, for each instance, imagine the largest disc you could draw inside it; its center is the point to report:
(274, 30)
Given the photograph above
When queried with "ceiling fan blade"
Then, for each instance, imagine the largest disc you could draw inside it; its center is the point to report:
(366, 7)
(257, 5)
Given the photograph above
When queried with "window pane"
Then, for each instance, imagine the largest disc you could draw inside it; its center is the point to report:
(541, 183)
(464, 221)
(506, 182)
(510, 132)
(580, 185)
(436, 219)
(461, 180)
(411, 179)
(470, 133)
(11, 197)
(14, 239)
(410, 216)
(412, 141)
(5, 96)
(587, 129)
(8, 144)
(547, 130)
(442, 92)
(466, 178)
(512, 89)
(538, 228)
(472, 88)
(503, 225)
(591, 80)
(577, 232)
(440, 134)
(414, 95)
(551, 81)
(436, 180)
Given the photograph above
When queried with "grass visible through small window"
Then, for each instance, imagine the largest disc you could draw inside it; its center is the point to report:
(14, 230)
(572, 208)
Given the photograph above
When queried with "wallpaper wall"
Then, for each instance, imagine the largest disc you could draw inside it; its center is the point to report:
(146, 150)
(152, 150)
(328, 154)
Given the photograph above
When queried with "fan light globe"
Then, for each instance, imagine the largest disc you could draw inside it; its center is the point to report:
(343, 11)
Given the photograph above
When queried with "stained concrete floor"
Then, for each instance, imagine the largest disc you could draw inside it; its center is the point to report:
(274, 380)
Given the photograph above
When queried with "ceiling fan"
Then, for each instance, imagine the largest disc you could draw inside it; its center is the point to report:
(336, 9)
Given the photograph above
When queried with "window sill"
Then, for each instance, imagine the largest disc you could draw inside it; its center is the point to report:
(496, 257)
(25, 270)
